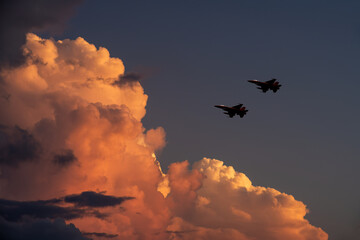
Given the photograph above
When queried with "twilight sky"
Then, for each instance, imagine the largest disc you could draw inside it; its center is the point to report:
(66, 103)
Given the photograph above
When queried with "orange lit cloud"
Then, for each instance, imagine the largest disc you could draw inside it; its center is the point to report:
(66, 99)
(228, 206)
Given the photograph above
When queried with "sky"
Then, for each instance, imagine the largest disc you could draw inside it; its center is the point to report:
(89, 118)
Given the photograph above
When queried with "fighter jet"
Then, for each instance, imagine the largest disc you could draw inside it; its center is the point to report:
(265, 86)
(232, 111)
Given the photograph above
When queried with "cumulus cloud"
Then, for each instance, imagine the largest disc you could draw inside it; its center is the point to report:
(66, 98)
(227, 200)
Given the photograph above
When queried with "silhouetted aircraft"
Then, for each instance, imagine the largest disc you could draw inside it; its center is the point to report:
(232, 111)
(264, 86)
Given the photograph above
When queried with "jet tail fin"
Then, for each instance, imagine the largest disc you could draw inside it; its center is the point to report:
(277, 88)
(238, 106)
(271, 81)
(242, 114)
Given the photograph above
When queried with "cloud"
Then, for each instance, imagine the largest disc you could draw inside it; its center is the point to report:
(128, 78)
(17, 145)
(227, 200)
(40, 229)
(65, 97)
(65, 158)
(18, 17)
(155, 138)
(83, 205)
(15, 210)
(97, 234)
(89, 127)
(93, 199)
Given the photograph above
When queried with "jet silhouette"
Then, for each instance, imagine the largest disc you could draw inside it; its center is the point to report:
(265, 86)
(232, 111)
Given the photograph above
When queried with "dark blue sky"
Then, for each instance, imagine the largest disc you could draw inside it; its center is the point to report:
(303, 140)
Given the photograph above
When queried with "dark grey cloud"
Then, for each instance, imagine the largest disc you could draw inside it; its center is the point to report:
(83, 205)
(102, 235)
(17, 145)
(93, 199)
(180, 232)
(18, 17)
(131, 77)
(65, 158)
(128, 78)
(15, 211)
(111, 113)
(39, 229)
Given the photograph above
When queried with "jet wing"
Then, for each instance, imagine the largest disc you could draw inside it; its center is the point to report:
(271, 81)
(228, 110)
(264, 88)
(231, 114)
(242, 114)
(232, 111)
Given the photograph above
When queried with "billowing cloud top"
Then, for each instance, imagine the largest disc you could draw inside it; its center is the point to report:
(70, 123)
